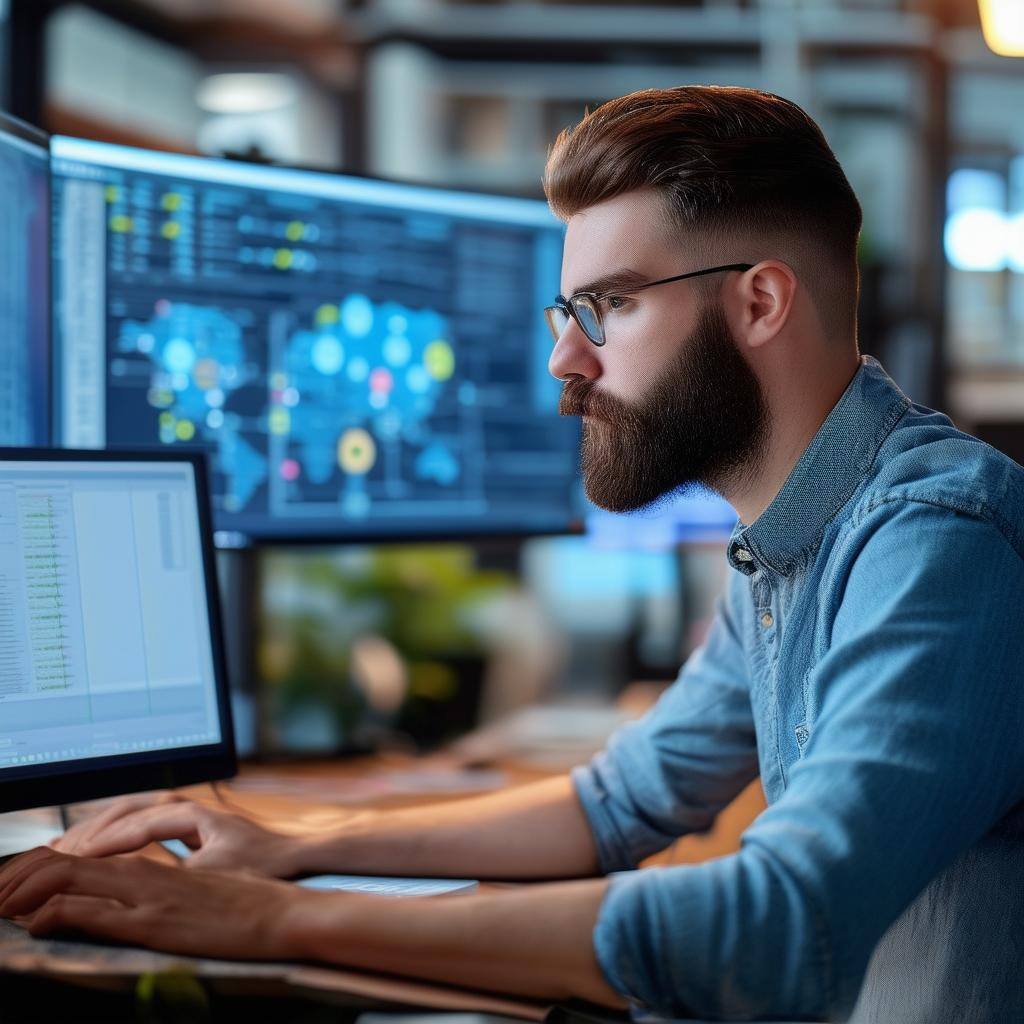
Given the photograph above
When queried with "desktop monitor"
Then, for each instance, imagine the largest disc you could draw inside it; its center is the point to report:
(361, 359)
(24, 284)
(112, 674)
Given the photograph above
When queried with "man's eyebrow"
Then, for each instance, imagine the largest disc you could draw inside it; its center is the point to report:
(609, 282)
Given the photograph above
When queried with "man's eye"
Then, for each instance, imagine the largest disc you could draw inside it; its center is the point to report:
(614, 301)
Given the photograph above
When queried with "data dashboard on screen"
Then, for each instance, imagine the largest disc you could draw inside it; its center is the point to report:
(106, 648)
(359, 358)
(24, 284)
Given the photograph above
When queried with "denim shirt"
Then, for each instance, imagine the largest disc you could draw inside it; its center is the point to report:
(867, 660)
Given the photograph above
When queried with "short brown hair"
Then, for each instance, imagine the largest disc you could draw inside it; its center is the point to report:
(740, 167)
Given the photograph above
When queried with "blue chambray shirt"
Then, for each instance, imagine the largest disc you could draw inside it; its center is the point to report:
(867, 659)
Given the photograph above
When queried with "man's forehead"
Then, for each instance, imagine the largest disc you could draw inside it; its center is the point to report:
(630, 232)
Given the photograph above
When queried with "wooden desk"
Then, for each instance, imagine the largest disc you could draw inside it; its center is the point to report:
(299, 797)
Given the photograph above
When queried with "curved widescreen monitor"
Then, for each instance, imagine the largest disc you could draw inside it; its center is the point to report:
(360, 359)
(112, 675)
(24, 284)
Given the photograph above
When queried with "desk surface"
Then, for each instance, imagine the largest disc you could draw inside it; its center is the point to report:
(309, 796)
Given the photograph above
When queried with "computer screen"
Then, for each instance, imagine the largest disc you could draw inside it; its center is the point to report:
(24, 284)
(360, 358)
(111, 673)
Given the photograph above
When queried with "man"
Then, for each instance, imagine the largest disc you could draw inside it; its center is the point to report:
(866, 658)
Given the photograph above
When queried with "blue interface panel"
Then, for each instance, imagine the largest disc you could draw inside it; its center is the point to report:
(24, 285)
(358, 358)
(105, 645)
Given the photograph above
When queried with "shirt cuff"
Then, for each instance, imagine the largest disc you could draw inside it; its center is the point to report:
(613, 852)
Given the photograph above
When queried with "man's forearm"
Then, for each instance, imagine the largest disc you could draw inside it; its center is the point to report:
(530, 832)
(534, 941)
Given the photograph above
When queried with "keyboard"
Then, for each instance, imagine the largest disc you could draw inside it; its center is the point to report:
(376, 885)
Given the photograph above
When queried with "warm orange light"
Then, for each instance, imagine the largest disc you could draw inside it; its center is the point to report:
(1002, 22)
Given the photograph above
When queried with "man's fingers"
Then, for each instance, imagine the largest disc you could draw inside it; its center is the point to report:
(58, 873)
(168, 821)
(90, 914)
(19, 868)
(86, 830)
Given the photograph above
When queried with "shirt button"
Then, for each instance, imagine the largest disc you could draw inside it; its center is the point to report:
(743, 555)
(767, 620)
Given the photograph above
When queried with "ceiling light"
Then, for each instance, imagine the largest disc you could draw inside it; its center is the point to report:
(246, 92)
(1002, 22)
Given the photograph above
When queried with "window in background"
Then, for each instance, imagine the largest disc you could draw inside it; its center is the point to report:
(984, 275)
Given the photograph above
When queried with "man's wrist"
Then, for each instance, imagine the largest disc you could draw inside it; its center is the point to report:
(310, 926)
(332, 852)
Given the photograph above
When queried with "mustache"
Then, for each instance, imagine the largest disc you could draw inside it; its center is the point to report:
(582, 397)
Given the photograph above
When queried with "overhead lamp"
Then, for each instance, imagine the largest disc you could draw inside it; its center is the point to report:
(246, 92)
(1002, 24)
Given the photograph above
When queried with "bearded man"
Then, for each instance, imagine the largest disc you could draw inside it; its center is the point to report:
(866, 660)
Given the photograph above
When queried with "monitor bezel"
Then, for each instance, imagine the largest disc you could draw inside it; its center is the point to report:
(237, 538)
(55, 783)
(37, 137)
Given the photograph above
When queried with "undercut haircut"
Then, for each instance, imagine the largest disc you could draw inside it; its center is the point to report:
(746, 175)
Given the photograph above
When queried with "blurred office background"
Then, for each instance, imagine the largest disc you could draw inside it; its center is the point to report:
(350, 643)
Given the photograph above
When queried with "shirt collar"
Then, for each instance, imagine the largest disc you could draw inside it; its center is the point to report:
(826, 474)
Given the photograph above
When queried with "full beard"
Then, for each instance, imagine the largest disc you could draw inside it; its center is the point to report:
(704, 420)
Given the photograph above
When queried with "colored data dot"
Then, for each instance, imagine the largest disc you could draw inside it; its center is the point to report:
(357, 315)
(185, 430)
(171, 200)
(162, 307)
(378, 400)
(326, 314)
(290, 397)
(215, 398)
(167, 420)
(206, 373)
(290, 469)
(417, 380)
(279, 381)
(328, 354)
(170, 229)
(112, 193)
(179, 356)
(439, 359)
(397, 323)
(397, 350)
(357, 451)
(294, 230)
(381, 380)
(280, 421)
(283, 259)
(215, 419)
(121, 224)
(179, 381)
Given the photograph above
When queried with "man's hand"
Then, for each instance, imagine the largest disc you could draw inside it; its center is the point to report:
(138, 901)
(221, 840)
(532, 941)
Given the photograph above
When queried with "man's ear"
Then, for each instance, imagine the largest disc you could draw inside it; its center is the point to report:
(766, 294)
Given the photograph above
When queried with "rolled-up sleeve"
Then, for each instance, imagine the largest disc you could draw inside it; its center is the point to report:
(671, 772)
(915, 752)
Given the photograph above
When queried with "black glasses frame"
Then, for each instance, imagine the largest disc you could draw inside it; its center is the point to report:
(591, 301)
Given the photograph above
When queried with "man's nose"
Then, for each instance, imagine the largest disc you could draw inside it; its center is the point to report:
(574, 353)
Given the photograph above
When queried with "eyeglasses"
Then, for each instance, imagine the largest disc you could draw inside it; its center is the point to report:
(585, 307)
